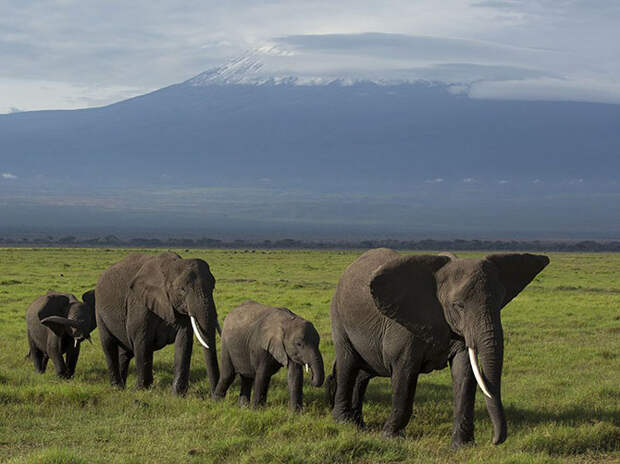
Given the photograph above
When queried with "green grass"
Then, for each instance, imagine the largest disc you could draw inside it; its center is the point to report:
(561, 385)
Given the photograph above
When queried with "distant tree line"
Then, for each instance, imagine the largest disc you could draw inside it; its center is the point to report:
(289, 243)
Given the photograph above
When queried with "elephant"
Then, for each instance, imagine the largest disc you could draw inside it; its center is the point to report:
(57, 323)
(146, 302)
(257, 340)
(397, 317)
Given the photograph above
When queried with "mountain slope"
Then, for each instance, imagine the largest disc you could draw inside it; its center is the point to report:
(416, 139)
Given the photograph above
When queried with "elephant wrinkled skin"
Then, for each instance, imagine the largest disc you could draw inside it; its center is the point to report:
(146, 302)
(257, 341)
(57, 323)
(397, 317)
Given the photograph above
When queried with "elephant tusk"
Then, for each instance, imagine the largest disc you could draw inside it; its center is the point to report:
(474, 365)
(306, 368)
(75, 343)
(197, 332)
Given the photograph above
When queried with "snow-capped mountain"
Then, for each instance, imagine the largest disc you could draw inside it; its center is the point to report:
(269, 139)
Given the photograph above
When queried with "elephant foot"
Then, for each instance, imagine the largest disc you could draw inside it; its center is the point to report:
(358, 419)
(460, 440)
(65, 375)
(391, 431)
(348, 417)
(244, 402)
(462, 436)
(179, 390)
(117, 385)
(298, 408)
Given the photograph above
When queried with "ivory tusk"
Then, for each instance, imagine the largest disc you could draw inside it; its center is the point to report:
(197, 332)
(474, 365)
(306, 368)
(75, 343)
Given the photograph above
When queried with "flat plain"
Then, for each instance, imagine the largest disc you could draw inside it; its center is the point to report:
(561, 382)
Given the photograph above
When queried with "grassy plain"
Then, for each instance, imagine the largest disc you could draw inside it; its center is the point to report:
(561, 383)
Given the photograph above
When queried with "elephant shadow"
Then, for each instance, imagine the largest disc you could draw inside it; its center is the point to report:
(574, 416)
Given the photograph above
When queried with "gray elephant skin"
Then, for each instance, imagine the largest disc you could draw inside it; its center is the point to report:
(257, 341)
(397, 317)
(146, 302)
(57, 323)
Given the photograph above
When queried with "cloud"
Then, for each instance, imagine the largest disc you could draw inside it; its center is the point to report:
(8, 175)
(437, 180)
(113, 50)
(470, 180)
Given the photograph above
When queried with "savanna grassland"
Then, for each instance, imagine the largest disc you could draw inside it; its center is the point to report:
(561, 383)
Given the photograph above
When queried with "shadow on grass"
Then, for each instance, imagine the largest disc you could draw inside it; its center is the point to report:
(573, 416)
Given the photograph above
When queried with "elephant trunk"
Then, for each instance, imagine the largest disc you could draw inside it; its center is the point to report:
(203, 318)
(318, 371)
(490, 348)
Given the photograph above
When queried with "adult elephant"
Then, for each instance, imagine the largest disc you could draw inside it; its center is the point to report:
(146, 302)
(397, 317)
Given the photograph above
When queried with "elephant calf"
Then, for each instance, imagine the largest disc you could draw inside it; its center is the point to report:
(57, 323)
(257, 341)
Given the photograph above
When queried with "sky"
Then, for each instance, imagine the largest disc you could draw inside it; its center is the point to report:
(64, 54)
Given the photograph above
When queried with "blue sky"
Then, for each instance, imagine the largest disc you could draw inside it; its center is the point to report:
(73, 54)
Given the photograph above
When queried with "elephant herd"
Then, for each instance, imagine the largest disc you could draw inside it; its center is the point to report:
(391, 316)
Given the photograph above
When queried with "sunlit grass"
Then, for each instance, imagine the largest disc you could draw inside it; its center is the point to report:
(561, 386)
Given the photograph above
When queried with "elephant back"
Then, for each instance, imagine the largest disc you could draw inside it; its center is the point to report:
(112, 288)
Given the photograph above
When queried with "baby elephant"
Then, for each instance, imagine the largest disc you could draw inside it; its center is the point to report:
(257, 341)
(57, 323)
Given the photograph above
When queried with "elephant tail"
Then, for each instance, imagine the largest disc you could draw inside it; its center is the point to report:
(29, 354)
(330, 387)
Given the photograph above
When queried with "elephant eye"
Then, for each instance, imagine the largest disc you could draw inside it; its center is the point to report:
(298, 343)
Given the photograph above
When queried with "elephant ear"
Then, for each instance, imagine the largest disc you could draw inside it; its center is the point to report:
(516, 270)
(405, 290)
(62, 326)
(149, 288)
(89, 298)
(273, 342)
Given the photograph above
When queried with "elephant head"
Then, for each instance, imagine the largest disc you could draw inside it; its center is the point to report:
(169, 286)
(424, 293)
(296, 340)
(65, 315)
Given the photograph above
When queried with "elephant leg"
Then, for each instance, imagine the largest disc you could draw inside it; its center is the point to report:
(111, 351)
(295, 386)
(359, 391)
(227, 377)
(213, 371)
(124, 357)
(404, 381)
(346, 373)
(182, 358)
(261, 385)
(54, 351)
(73, 353)
(144, 365)
(464, 388)
(246, 390)
(39, 358)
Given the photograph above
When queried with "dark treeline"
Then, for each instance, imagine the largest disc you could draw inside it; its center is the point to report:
(287, 243)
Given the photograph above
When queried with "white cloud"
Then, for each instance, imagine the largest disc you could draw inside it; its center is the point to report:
(437, 180)
(469, 180)
(43, 95)
(503, 181)
(111, 50)
(8, 175)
